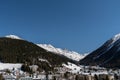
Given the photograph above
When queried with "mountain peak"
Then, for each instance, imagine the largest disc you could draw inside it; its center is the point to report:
(116, 37)
(13, 37)
(107, 55)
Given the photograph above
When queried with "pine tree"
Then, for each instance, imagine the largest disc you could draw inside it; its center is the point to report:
(116, 76)
(26, 68)
(96, 77)
(1, 77)
(107, 78)
(76, 77)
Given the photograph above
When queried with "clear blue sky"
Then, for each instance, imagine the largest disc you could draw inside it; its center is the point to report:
(79, 25)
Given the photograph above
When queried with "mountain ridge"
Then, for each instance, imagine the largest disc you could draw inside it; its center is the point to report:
(12, 36)
(25, 52)
(107, 55)
(70, 54)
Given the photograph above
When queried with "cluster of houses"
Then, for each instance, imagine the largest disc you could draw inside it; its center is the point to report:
(62, 73)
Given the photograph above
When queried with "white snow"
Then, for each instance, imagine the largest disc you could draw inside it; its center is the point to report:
(70, 54)
(10, 66)
(97, 73)
(74, 68)
(116, 37)
(43, 60)
(77, 69)
(13, 37)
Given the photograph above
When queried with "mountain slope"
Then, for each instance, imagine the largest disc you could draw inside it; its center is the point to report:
(108, 55)
(21, 51)
(70, 54)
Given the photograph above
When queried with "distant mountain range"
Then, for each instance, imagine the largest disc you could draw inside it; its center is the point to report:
(69, 54)
(108, 55)
(14, 49)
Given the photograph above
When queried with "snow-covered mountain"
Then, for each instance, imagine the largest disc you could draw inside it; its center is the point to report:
(70, 54)
(108, 55)
(13, 37)
(115, 38)
(19, 51)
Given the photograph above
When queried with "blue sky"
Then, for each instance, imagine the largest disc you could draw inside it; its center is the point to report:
(79, 25)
